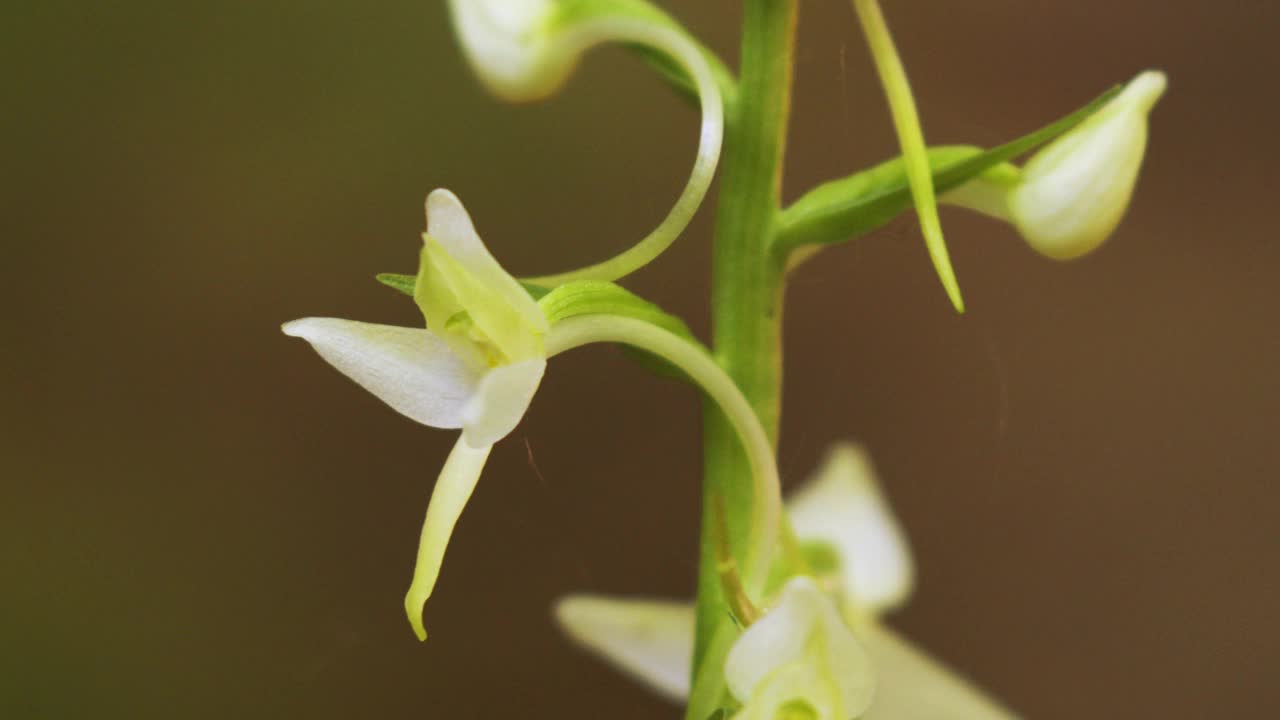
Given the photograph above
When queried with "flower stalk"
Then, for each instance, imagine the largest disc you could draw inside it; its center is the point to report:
(747, 291)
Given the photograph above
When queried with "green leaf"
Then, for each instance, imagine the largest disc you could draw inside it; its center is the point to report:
(850, 207)
(595, 297)
(406, 284)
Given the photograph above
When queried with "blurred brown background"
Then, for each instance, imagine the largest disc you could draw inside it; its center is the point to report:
(202, 520)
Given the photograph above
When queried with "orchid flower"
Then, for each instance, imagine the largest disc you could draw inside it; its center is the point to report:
(525, 50)
(480, 360)
(800, 656)
(858, 553)
(476, 366)
(1072, 194)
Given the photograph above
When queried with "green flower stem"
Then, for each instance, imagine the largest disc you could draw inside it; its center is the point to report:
(747, 311)
(907, 123)
(765, 490)
(689, 55)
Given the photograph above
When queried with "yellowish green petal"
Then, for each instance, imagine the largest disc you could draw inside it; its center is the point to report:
(453, 489)
(466, 296)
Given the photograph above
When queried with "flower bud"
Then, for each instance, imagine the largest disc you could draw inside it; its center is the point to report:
(510, 45)
(1073, 193)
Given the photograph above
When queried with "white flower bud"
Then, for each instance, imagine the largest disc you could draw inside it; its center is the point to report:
(1073, 193)
(510, 44)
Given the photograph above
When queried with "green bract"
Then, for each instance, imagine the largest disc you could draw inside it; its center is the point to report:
(906, 121)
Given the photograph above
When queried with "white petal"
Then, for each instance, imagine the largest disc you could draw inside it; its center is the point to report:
(409, 369)
(451, 226)
(453, 489)
(651, 640)
(914, 686)
(804, 622)
(841, 505)
(500, 401)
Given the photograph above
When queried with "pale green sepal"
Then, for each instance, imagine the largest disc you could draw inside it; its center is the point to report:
(409, 369)
(398, 281)
(500, 401)
(853, 206)
(803, 629)
(458, 275)
(906, 121)
(1074, 193)
(449, 224)
(650, 640)
(453, 489)
(406, 283)
(841, 507)
(913, 686)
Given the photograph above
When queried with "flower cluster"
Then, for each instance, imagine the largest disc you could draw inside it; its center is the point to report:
(806, 593)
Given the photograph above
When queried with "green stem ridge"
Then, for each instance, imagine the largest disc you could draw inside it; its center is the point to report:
(747, 311)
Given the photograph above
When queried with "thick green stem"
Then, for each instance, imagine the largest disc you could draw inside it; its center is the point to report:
(747, 310)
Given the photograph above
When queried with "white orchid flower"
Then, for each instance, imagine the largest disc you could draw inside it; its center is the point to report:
(857, 548)
(476, 366)
(525, 50)
(481, 358)
(802, 656)
(1071, 195)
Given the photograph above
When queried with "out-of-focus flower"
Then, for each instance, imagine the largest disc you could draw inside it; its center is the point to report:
(857, 552)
